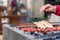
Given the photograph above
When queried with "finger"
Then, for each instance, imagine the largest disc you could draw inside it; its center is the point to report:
(43, 8)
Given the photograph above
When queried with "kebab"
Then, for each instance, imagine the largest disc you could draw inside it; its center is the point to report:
(43, 24)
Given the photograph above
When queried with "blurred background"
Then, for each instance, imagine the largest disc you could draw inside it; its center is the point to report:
(14, 11)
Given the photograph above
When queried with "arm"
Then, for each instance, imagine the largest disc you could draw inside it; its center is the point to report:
(50, 8)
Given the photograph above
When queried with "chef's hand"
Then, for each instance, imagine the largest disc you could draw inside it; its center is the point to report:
(47, 8)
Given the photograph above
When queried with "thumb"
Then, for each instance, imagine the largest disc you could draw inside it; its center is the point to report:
(42, 9)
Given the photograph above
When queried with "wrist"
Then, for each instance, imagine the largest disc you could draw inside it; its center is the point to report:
(54, 9)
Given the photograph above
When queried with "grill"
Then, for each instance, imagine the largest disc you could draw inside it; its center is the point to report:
(40, 33)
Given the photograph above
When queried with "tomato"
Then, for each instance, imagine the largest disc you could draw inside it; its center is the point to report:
(55, 29)
(43, 29)
(39, 29)
(48, 30)
(32, 29)
(28, 29)
(58, 28)
(24, 29)
(51, 29)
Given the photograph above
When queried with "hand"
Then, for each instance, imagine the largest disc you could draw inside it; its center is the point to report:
(47, 7)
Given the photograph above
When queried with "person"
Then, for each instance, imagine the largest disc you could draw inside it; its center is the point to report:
(50, 8)
(23, 11)
(52, 2)
(14, 7)
(55, 10)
